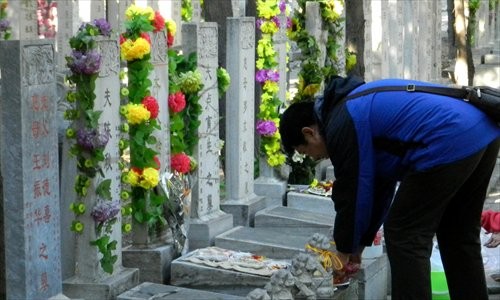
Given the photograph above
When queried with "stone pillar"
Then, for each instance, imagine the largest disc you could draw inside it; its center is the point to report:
(29, 164)
(89, 280)
(67, 14)
(239, 8)
(23, 18)
(241, 200)
(171, 10)
(153, 257)
(269, 183)
(207, 220)
(97, 9)
(116, 13)
(411, 42)
(196, 17)
(428, 44)
(482, 16)
(373, 40)
(392, 39)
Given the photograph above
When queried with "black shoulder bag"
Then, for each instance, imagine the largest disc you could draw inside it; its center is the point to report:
(485, 98)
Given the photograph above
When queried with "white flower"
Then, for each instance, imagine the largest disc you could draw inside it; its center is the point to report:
(297, 157)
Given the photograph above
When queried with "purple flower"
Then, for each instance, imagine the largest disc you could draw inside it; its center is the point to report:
(288, 22)
(282, 6)
(266, 128)
(103, 26)
(105, 211)
(4, 25)
(86, 63)
(276, 21)
(273, 76)
(258, 23)
(261, 76)
(90, 139)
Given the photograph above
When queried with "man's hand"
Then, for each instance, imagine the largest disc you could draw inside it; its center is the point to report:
(493, 241)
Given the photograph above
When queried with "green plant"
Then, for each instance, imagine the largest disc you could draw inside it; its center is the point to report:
(139, 112)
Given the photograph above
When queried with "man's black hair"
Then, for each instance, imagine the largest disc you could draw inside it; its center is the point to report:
(295, 117)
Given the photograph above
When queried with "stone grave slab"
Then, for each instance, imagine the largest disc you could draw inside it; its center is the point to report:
(262, 241)
(490, 59)
(149, 290)
(312, 203)
(188, 274)
(287, 220)
(373, 277)
(329, 174)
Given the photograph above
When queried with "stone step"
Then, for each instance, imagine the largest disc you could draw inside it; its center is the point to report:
(149, 290)
(263, 241)
(309, 202)
(288, 219)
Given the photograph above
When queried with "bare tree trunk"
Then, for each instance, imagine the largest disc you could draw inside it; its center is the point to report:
(355, 34)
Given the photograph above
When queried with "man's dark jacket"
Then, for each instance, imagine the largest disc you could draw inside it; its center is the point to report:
(375, 139)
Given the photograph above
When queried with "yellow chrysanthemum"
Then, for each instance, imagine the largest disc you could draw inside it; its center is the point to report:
(171, 27)
(271, 87)
(133, 178)
(275, 160)
(134, 10)
(259, 64)
(269, 27)
(132, 50)
(150, 178)
(136, 113)
(267, 9)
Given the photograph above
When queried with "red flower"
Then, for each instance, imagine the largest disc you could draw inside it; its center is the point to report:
(170, 39)
(158, 22)
(176, 102)
(180, 162)
(136, 170)
(122, 39)
(157, 161)
(145, 36)
(151, 104)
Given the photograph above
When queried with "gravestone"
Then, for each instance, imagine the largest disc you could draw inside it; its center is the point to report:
(153, 257)
(89, 280)
(116, 14)
(314, 27)
(171, 10)
(207, 220)
(373, 40)
(196, 17)
(29, 164)
(23, 17)
(241, 200)
(429, 41)
(269, 183)
(392, 39)
(67, 26)
(97, 9)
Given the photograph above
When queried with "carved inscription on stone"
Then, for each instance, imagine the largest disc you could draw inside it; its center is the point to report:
(110, 62)
(38, 65)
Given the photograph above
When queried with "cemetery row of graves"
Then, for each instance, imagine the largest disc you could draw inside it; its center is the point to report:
(110, 146)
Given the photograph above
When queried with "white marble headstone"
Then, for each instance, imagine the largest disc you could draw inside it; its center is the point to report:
(30, 167)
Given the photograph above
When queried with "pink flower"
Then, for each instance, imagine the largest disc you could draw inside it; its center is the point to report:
(176, 102)
(180, 162)
(266, 128)
(151, 105)
(158, 22)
